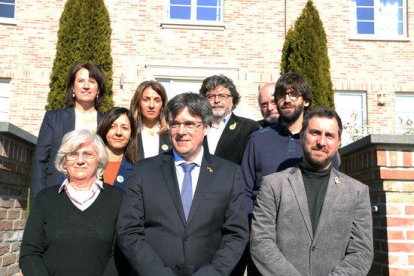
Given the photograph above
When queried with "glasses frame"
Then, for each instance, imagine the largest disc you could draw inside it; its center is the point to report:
(190, 126)
(293, 95)
(73, 156)
(221, 96)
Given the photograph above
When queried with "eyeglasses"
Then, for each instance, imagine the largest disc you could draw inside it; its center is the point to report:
(293, 95)
(72, 156)
(266, 105)
(222, 97)
(188, 125)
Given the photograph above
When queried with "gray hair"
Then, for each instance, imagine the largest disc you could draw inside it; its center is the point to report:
(71, 143)
(197, 106)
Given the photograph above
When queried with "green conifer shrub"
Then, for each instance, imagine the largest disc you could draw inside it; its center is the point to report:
(305, 51)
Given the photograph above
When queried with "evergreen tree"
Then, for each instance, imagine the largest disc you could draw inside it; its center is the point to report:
(305, 52)
(84, 36)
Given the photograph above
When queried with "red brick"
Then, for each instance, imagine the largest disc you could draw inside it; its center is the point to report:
(410, 235)
(381, 158)
(4, 248)
(13, 214)
(401, 247)
(409, 210)
(6, 225)
(396, 174)
(395, 210)
(8, 259)
(400, 221)
(393, 159)
(407, 158)
(400, 272)
(395, 235)
(19, 224)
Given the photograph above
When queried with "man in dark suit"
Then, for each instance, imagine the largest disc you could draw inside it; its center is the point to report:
(179, 221)
(228, 135)
(311, 219)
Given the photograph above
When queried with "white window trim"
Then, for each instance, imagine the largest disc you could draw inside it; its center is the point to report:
(10, 21)
(355, 36)
(191, 24)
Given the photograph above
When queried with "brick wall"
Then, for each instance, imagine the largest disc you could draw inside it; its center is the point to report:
(16, 149)
(386, 164)
(251, 41)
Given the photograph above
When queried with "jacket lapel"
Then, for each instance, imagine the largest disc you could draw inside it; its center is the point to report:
(229, 133)
(204, 179)
(140, 148)
(170, 178)
(331, 195)
(165, 144)
(296, 182)
(69, 120)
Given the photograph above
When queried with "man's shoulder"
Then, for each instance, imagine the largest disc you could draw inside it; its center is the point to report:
(246, 121)
(220, 162)
(349, 181)
(265, 133)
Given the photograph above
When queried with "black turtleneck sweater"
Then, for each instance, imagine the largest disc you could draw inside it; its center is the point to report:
(316, 184)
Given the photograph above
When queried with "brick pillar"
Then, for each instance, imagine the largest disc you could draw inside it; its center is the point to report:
(16, 149)
(386, 164)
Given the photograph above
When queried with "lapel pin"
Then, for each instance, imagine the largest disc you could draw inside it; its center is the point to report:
(233, 126)
(210, 169)
(164, 147)
(120, 178)
(337, 180)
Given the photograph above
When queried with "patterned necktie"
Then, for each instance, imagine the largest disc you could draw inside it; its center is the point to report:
(187, 188)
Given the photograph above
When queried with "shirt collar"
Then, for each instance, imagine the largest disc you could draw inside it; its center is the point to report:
(98, 183)
(178, 160)
(223, 121)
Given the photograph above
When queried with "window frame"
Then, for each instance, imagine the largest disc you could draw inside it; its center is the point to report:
(400, 128)
(192, 23)
(9, 20)
(379, 36)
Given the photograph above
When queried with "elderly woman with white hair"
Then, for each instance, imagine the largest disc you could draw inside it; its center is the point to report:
(71, 227)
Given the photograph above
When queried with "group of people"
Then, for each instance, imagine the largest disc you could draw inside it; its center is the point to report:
(186, 187)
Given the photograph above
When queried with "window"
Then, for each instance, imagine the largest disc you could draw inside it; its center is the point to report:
(351, 107)
(7, 11)
(5, 92)
(379, 19)
(195, 11)
(404, 103)
(178, 86)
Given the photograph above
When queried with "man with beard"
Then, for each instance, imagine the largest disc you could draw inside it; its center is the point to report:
(278, 147)
(311, 219)
(267, 105)
(229, 133)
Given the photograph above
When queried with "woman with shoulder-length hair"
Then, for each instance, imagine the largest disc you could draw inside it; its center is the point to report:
(118, 131)
(147, 107)
(71, 227)
(85, 90)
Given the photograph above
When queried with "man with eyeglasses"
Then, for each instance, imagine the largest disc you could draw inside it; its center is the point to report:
(267, 105)
(183, 212)
(229, 133)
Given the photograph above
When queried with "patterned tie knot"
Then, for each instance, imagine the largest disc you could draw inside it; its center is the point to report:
(188, 167)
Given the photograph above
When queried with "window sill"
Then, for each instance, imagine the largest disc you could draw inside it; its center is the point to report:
(379, 38)
(193, 25)
(8, 21)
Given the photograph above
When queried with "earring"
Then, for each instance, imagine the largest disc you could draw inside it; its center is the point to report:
(73, 95)
(97, 95)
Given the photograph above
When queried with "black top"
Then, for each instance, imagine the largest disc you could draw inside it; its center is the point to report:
(59, 239)
(316, 184)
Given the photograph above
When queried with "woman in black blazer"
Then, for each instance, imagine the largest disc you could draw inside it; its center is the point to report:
(85, 90)
(147, 106)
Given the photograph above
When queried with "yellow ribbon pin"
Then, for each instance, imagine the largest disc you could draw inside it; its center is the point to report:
(233, 126)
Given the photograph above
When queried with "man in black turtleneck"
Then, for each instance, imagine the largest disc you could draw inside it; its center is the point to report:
(312, 219)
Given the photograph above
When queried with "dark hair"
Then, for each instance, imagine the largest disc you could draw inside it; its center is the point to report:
(197, 106)
(109, 118)
(95, 73)
(213, 82)
(135, 105)
(296, 82)
(321, 112)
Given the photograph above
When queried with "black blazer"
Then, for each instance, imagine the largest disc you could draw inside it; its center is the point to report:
(152, 230)
(165, 145)
(234, 138)
(56, 123)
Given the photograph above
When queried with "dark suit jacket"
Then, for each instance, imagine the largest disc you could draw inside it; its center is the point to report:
(152, 230)
(123, 174)
(282, 238)
(234, 138)
(165, 145)
(56, 123)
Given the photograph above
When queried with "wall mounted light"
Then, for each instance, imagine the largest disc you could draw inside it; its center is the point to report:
(381, 99)
(121, 81)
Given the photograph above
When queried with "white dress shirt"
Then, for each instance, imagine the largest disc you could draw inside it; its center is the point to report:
(82, 199)
(214, 134)
(195, 173)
